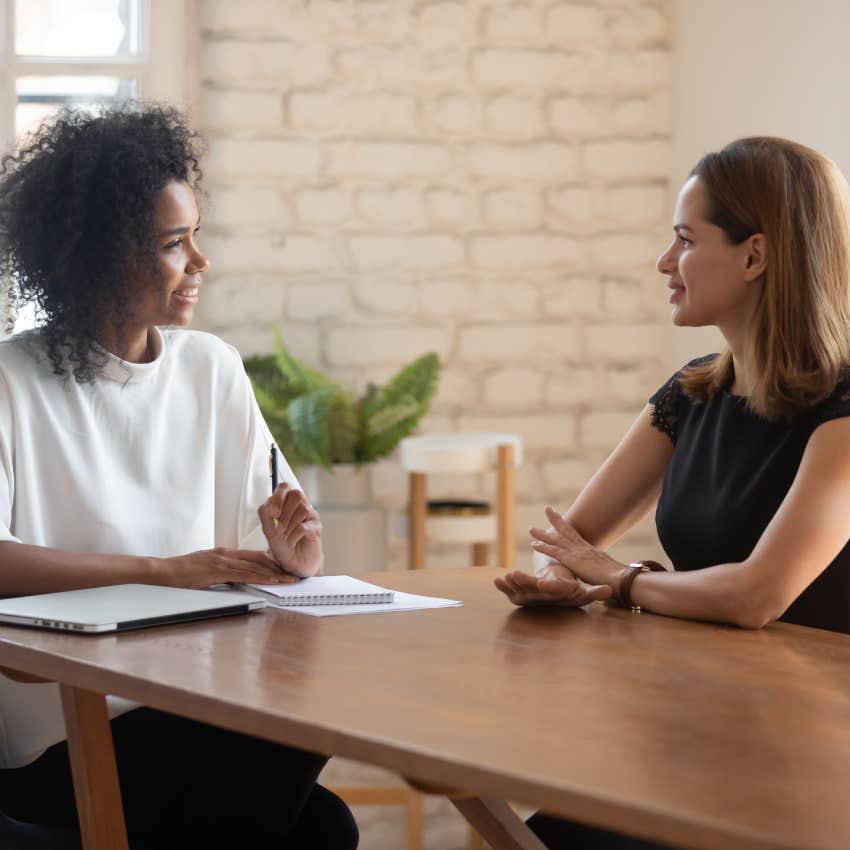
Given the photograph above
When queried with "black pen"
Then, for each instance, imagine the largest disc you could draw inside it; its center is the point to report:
(273, 471)
(273, 466)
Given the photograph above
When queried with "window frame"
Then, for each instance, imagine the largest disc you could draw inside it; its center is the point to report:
(160, 66)
(163, 67)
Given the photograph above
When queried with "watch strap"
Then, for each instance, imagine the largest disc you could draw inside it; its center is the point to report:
(624, 592)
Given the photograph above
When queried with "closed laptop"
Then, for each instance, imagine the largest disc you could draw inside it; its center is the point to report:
(121, 607)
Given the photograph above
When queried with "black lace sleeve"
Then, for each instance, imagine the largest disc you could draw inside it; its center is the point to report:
(836, 406)
(665, 407)
(667, 402)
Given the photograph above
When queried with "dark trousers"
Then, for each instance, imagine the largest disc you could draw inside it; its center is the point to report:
(185, 784)
(559, 834)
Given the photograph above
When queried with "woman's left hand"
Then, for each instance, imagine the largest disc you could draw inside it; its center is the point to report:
(293, 530)
(561, 542)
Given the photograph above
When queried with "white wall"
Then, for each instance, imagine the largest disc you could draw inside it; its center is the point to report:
(757, 67)
(487, 180)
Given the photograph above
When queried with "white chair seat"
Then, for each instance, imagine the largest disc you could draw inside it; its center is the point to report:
(456, 453)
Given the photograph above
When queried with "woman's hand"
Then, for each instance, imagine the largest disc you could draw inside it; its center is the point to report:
(564, 589)
(574, 573)
(564, 545)
(293, 530)
(219, 566)
(560, 542)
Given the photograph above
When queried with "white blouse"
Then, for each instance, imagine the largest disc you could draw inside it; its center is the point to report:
(155, 459)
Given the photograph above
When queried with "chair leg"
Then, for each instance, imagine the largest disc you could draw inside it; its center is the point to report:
(476, 842)
(414, 821)
(505, 485)
(480, 554)
(418, 510)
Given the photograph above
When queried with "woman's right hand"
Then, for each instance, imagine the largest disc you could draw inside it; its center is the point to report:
(219, 566)
(563, 589)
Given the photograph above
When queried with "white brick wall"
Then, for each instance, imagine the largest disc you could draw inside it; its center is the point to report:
(487, 179)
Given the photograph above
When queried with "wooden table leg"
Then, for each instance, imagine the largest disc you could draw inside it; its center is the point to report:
(497, 823)
(94, 770)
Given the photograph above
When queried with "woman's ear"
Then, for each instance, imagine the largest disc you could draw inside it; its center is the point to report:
(756, 257)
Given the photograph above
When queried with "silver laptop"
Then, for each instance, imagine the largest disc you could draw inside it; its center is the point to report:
(120, 607)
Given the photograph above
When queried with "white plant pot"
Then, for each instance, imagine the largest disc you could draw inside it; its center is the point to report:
(354, 534)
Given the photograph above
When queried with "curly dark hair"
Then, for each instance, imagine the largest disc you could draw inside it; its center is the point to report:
(77, 208)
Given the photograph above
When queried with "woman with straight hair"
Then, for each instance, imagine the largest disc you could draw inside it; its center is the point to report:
(132, 451)
(746, 453)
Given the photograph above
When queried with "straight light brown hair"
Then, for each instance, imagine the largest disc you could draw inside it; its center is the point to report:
(798, 199)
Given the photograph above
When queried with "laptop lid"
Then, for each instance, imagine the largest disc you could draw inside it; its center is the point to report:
(121, 607)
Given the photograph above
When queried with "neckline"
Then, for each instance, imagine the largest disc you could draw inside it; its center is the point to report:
(124, 372)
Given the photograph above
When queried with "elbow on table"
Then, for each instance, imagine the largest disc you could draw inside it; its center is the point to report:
(754, 619)
(757, 611)
(756, 603)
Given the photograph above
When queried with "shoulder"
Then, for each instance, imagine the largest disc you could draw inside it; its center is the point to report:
(202, 350)
(836, 405)
(23, 356)
(669, 400)
(697, 362)
(673, 384)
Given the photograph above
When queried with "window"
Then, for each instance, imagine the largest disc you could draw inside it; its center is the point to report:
(83, 54)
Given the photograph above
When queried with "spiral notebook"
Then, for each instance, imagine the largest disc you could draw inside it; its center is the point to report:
(321, 590)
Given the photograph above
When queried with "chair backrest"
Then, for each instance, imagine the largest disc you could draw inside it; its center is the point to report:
(462, 453)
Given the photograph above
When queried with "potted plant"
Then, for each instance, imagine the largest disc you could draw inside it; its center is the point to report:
(331, 435)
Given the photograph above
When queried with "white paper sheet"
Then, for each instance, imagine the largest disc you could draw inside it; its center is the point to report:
(401, 602)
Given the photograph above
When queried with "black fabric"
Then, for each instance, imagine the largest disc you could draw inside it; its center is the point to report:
(728, 475)
(186, 784)
(559, 834)
(15, 835)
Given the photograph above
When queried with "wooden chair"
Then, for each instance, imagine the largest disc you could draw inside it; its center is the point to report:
(388, 795)
(460, 521)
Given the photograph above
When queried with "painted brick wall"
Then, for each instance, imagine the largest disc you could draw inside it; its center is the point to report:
(488, 180)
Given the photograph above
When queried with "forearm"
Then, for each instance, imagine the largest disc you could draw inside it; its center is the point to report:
(724, 593)
(720, 594)
(26, 569)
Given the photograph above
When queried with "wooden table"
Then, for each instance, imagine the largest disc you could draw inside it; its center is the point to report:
(698, 735)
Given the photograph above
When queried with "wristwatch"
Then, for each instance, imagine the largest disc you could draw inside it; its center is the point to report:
(624, 594)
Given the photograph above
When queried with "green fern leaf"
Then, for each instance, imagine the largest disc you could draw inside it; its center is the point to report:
(299, 378)
(389, 417)
(417, 380)
(389, 426)
(344, 424)
(309, 416)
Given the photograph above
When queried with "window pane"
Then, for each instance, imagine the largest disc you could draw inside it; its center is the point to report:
(25, 319)
(92, 28)
(40, 97)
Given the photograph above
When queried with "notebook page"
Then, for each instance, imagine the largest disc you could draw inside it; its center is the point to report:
(323, 590)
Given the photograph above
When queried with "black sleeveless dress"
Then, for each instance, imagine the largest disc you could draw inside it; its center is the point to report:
(728, 475)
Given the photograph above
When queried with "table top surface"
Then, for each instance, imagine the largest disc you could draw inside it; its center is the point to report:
(699, 735)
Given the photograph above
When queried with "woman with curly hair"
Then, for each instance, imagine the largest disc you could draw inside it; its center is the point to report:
(132, 450)
(745, 454)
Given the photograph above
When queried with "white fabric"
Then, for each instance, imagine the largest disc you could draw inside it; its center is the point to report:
(157, 459)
